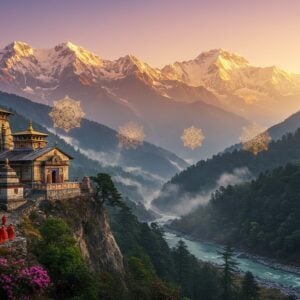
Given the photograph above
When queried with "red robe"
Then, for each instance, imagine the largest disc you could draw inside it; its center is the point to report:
(10, 232)
(4, 234)
(4, 220)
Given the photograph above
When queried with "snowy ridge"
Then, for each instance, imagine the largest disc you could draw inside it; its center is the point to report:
(216, 77)
(228, 73)
(217, 70)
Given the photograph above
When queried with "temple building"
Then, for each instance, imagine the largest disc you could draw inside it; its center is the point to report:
(11, 190)
(42, 170)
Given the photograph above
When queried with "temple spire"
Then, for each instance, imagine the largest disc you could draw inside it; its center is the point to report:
(30, 127)
(30, 138)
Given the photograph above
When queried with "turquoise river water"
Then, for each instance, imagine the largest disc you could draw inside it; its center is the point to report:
(286, 279)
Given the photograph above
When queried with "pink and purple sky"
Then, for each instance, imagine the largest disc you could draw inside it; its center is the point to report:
(266, 32)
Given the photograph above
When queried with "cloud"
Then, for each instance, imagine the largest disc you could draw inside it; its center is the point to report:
(105, 158)
(147, 194)
(188, 202)
(238, 176)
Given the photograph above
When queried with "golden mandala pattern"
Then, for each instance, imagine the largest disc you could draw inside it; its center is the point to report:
(255, 139)
(130, 135)
(66, 114)
(192, 137)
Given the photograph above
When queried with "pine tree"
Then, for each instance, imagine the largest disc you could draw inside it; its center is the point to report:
(183, 268)
(250, 289)
(229, 268)
(106, 192)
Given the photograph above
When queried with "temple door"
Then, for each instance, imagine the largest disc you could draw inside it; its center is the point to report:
(54, 176)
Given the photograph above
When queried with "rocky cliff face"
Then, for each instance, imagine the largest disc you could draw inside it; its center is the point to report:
(90, 227)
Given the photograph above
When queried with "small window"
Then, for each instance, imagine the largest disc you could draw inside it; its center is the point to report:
(16, 191)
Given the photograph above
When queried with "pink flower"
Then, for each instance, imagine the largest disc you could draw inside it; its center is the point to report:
(20, 282)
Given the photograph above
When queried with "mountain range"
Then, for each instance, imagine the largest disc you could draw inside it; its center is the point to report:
(262, 94)
(217, 91)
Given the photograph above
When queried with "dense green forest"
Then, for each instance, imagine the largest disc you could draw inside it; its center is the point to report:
(262, 216)
(203, 176)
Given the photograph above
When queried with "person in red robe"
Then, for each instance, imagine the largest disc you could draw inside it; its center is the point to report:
(10, 232)
(4, 220)
(4, 234)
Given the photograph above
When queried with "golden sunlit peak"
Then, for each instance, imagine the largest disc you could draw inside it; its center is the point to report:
(22, 49)
(255, 138)
(82, 54)
(66, 113)
(192, 137)
(130, 135)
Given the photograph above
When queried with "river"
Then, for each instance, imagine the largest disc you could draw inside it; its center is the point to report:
(266, 273)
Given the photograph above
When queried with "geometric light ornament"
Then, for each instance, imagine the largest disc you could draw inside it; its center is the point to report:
(66, 113)
(192, 137)
(130, 135)
(255, 138)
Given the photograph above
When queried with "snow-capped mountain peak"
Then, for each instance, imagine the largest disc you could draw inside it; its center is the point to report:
(18, 48)
(130, 64)
(85, 56)
(217, 77)
(229, 60)
(216, 63)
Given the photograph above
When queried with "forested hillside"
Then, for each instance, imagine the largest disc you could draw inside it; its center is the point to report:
(262, 216)
(203, 176)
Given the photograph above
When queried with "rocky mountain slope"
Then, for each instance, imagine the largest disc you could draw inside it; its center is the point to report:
(114, 92)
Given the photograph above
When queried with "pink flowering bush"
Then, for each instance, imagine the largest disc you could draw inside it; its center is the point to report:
(20, 282)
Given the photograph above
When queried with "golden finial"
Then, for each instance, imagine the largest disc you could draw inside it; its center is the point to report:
(30, 128)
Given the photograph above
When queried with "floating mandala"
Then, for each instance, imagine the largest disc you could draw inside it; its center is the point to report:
(255, 139)
(131, 135)
(192, 137)
(66, 113)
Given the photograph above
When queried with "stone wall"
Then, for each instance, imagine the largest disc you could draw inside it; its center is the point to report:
(14, 204)
(52, 195)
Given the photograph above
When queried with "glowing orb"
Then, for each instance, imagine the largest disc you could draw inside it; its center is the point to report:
(255, 139)
(192, 137)
(66, 113)
(131, 135)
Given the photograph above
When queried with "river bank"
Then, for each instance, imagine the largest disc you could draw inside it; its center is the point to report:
(267, 272)
(269, 275)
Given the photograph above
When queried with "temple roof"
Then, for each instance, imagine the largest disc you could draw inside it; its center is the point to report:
(30, 131)
(6, 111)
(27, 154)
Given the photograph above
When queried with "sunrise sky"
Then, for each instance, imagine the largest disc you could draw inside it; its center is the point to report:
(266, 32)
